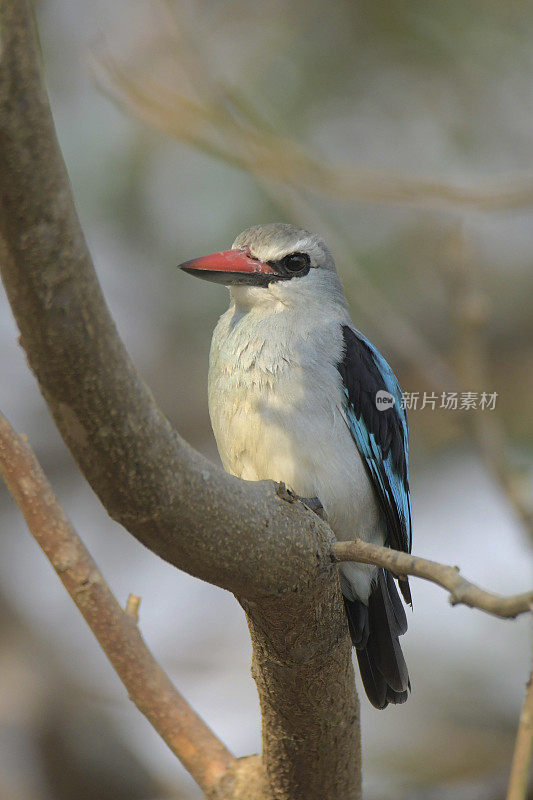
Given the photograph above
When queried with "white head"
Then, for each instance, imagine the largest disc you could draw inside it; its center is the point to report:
(272, 265)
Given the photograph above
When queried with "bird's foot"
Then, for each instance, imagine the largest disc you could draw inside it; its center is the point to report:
(312, 503)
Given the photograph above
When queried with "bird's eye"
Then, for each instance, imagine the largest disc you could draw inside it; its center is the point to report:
(296, 263)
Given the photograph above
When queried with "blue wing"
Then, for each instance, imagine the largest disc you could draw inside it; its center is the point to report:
(381, 435)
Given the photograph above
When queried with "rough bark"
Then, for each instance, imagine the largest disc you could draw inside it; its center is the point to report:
(242, 536)
(294, 675)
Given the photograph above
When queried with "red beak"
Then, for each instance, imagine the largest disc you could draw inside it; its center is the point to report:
(231, 267)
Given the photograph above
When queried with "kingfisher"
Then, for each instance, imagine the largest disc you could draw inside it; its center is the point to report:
(297, 394)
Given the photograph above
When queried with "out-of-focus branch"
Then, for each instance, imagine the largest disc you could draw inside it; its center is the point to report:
(471, 313)
(493, 445)
(461, 591)
(187, 735)
(276, 157)
(523, 751)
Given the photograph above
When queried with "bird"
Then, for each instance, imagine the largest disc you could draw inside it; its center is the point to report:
(298, 395)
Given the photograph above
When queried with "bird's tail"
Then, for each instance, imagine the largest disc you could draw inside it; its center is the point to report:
(375, 630)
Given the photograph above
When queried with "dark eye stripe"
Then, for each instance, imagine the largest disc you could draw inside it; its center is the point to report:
(292, 265)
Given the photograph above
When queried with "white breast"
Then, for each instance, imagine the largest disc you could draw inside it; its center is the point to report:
(275, 396)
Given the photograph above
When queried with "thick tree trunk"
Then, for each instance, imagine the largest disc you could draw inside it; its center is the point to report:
(308, 727)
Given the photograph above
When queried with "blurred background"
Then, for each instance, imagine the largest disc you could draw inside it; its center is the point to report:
(403, 133)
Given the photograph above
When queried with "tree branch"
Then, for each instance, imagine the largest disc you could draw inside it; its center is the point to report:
(523, 752)
(236, 534)
(461, 591)
(187, 735)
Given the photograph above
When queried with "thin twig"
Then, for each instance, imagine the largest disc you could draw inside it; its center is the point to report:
(187, 735)
(523, 751)
(461, 591)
